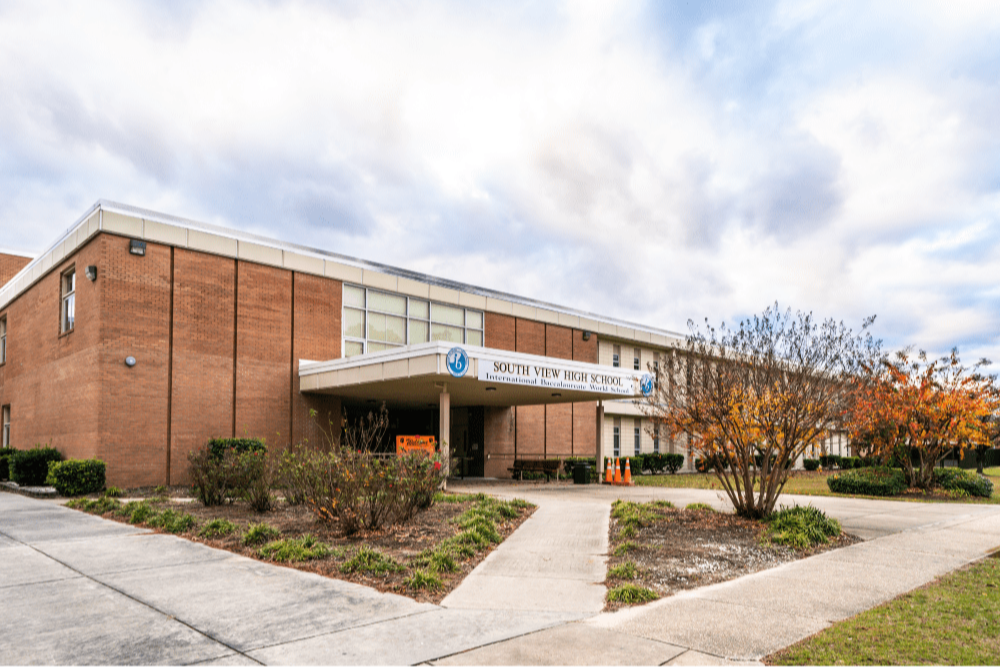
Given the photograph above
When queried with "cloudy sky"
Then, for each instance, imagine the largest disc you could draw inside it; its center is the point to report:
(656, 162)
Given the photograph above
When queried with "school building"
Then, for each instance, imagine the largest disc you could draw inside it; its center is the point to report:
(137, 336)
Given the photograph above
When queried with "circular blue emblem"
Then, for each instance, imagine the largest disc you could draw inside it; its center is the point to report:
(457, 362)
(646, 384)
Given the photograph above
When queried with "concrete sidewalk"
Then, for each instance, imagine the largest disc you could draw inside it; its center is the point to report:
(77, 589)
(908, 545)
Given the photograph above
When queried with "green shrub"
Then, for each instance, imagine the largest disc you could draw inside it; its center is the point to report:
(30, 467)
(172, 521)
(297, 550)
(700, 507)
(423, 579)
(5, 454)
(868, 482)
(673, 462)
(834, 460)
(801, 527)
(76, 477)
(630, 594)
(849, 462)
(259, 533)
(113, 492)
(372, 561)
(137, 511)
(624, 571)
(217, 447)
(955, 479)
(218, 528)
(102, 505)
(810, 464)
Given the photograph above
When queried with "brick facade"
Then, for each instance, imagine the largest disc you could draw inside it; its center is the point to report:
(10, 265)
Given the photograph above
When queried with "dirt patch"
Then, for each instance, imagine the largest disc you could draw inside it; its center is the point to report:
(401, 543)
(681, 549)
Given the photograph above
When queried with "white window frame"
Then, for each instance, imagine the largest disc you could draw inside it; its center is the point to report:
(637, 361)
(656, 438)
(3, 340)
(5, 437)
(67, 301)
(638, 438)
(429, 320)
(616, 355)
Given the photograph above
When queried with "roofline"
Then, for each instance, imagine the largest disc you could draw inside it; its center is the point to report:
(237, 235)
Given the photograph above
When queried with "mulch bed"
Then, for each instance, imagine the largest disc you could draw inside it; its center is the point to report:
(683, 549)
(427, 529)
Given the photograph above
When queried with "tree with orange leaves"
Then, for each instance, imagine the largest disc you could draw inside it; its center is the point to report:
(751, 400)
(915, 408)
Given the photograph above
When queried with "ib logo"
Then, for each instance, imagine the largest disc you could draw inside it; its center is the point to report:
(457, 362)
(646, 384)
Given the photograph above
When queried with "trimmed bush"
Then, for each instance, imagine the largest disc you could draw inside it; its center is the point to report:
(810, 464)
(217, 447)
(673, 462)
(801, 527)
(955, 479)
(30, 467)
(849, 462)
(868, 482)
(76, 477)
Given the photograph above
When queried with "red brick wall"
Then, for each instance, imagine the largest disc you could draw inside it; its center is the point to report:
(530, 420)
(202, 400)
(558, 417)
(10, 265)
(263, 353)
(499, 332)
(50, 380)
(317, 338)
(135, 321)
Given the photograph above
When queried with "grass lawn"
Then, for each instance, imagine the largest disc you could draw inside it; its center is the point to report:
(953, 621)
(801, 483)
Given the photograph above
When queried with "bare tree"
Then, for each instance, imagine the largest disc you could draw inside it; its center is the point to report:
(751, 400)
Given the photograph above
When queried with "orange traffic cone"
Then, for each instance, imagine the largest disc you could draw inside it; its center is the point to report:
(628, 473)
(607, 473)
(618, 473)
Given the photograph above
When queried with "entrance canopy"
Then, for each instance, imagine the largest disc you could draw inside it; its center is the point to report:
(418, 374)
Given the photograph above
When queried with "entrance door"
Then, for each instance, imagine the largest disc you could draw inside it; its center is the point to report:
(467, 442)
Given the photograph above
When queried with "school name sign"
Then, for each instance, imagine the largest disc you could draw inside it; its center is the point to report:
(554, 376)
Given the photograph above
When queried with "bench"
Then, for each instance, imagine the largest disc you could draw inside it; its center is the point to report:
(549, 467)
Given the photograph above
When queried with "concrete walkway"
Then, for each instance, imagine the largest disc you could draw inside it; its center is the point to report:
(78, 589)
(556, 561)
(907, 545)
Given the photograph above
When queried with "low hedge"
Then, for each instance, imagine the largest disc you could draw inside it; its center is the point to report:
(219, 446)
(570, 462)
(810, 464)
(76, 477)
(955, 479)
(30, 467)
(849, 462)
(868, 482)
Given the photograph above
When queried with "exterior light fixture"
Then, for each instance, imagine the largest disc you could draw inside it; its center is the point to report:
(137, 247)
(586, 335)
(556, 394)
(491, 389)
(130, 361)
(91, 273)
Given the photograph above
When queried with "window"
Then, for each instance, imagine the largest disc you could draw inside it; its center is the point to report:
(3, 339)
(636, 365)
(374, 321)
(656, 438)
(68, 301)
(6, 426)
(617, 440)
(637, 436)
(616, 357)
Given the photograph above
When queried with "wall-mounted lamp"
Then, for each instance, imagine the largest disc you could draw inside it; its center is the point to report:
(130, 361)
(137, 247)
(586, 335)
(91, 273)
(491, 389)
(556, 394)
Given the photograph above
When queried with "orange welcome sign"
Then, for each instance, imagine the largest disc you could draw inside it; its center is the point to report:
(416, 443)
